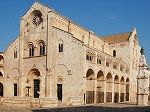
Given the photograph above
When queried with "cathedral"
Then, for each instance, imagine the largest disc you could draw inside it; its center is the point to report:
(55, 61)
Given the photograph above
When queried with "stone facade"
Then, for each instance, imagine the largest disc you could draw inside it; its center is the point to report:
(54, 61)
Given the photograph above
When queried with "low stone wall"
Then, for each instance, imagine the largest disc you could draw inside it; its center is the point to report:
(29, 102)
(74, 101)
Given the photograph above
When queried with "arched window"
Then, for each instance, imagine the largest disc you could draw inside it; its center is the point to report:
(31, 50)
(99, 61)
(114, 53)
(87, 57)
(60, 46)
(42, 48)
(1, 57)
(15, 54)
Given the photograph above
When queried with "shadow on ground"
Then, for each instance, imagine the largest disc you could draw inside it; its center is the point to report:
(95, 109)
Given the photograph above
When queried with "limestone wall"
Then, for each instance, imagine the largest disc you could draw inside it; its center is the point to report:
(72, 59)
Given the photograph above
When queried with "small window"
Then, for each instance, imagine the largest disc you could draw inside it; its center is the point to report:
(121, 68)
(15, 54)
(114, 53)
(60, 46)
(15, 89)
(107, 64)
(42, 48)
(31, 50)
(87, 57)
(115, 66)
(98, 60)
(90, 58)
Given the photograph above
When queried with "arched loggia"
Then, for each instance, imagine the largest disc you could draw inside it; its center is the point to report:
(109, 82)
(116, 89)
(90, 86)
(122, 89)
(100, 87)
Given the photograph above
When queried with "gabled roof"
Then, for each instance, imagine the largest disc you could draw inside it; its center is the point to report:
(117, 38)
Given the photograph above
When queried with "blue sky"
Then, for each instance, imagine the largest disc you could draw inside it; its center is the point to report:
(104, 17)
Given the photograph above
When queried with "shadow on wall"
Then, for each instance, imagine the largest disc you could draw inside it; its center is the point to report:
(95, 109)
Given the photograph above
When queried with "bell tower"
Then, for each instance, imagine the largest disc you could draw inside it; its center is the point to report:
(142, 81)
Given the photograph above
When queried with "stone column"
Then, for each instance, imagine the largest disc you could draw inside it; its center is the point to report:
(112, 91)
(95, 89)
(42, 87)
(47, 84)
(22, 86)
(119, 91)
(105, 91)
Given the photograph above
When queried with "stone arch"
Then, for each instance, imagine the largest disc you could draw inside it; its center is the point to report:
(116, 79)
(122, 89)
(100, 87)
(31, 49)
(60, 80)
(109, 77)
(127, 89)
(41, 47)
(127, 81)
(34, 72)
(90, 74)
(33, 81)
(100, 75)
(1, 89)
(109, 82)
(116, 89)
(122, 81)
(1, 57)
(90, 86)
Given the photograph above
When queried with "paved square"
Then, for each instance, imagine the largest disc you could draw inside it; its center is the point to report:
(89, 108)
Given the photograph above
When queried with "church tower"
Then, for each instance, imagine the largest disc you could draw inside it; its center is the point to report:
(142, 81)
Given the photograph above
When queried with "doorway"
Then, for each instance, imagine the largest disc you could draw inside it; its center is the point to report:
(36, 88)
(59, 92)
(1, 89)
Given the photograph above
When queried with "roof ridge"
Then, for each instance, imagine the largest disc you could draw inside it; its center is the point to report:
(105, 36)
(68, 19)
(117, 38)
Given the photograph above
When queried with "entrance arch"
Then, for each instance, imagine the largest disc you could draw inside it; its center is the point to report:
(109, 82)
(90, 86)
(122, 89)
(127, 89)
(34, 80)
(116, 89)
(100, 87)
(1, 89)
